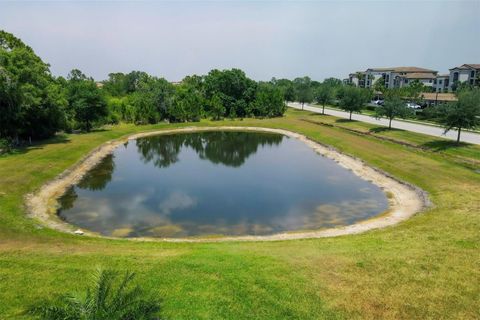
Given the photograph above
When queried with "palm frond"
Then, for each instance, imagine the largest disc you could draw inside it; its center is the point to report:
(103, 300)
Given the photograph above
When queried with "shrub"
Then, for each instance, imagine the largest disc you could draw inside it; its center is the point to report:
(104, 299)
(5, 146)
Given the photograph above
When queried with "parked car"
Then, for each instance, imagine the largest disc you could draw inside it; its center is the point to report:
(413, 105)
(377, 102)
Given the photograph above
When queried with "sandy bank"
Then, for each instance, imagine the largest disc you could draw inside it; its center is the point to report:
(404, 199)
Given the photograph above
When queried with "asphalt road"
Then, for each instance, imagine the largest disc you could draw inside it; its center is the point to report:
(469, 137)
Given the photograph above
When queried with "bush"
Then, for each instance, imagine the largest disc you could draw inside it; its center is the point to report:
(5, 146)
(102, 300)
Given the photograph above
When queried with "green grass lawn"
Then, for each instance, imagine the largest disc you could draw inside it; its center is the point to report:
(425, 268)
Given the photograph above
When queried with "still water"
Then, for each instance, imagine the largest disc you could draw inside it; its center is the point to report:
(217, 183)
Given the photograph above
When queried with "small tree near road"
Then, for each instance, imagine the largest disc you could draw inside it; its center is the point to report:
(392, 108)
(353, 99)
(463, 114)
(303, 89)
(324, 95)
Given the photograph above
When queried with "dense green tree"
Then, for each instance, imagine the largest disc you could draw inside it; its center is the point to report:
(152, 99)
(116, 85)
(463, 114)
(303, 90)
(234, 89)
(324, 95)
(196, 82)
(120, 109)
(269, 102)
(393, 107)
(32, 103)
(86, 101)
(132, 80)
(286, 87)
(216, 108)
(187, 104)
(353, 99)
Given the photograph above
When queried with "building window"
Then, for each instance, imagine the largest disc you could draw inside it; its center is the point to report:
(406, 81)
(440, 81)
(455, 76)
(472, 74)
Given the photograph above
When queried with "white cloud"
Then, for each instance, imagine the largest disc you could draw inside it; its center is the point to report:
(176, 201)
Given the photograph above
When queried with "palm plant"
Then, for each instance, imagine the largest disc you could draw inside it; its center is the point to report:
(103, 300)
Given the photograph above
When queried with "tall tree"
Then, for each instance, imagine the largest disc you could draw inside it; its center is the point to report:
(85, 100)
(116, 85)
(152, 99)
(187, 104)
(463, 114)
(32, 103)
(233, 87)
(269, 101)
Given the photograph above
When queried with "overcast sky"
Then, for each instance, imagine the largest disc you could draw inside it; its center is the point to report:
(265, 39)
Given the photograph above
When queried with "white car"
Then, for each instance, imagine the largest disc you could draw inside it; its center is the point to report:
(413, 105)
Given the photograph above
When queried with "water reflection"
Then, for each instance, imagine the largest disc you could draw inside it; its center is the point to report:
(99, 176)
(250, 184)
(227, 148)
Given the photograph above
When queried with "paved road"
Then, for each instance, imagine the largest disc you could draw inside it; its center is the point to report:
(415, 127)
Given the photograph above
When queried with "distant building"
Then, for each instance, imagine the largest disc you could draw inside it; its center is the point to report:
(441, 83)
(465, 73)
(394, 77)
(425, 78)
(357, 78)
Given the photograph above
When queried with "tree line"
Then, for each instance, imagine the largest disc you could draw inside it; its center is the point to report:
(35, 105)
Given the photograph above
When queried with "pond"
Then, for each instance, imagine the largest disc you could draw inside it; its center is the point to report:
(217, 183)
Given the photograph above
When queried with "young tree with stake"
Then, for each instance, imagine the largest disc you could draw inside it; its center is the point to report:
(463, 114)
(392, 108)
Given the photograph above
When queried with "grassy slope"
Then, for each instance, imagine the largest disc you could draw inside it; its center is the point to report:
(427, 267)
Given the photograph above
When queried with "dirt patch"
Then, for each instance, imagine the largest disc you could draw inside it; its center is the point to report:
(404, 199)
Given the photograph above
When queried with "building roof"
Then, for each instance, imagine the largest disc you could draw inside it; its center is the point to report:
(473, 65)
(404, 69)
(419, 75)
(380, 69)
(432, 96)
(468, 66)
(443, 75)
(356, 73)
(413, 69)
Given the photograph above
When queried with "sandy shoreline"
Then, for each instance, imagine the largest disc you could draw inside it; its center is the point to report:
(405, 200)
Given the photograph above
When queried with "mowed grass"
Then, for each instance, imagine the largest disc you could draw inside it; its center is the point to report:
(425, 268)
